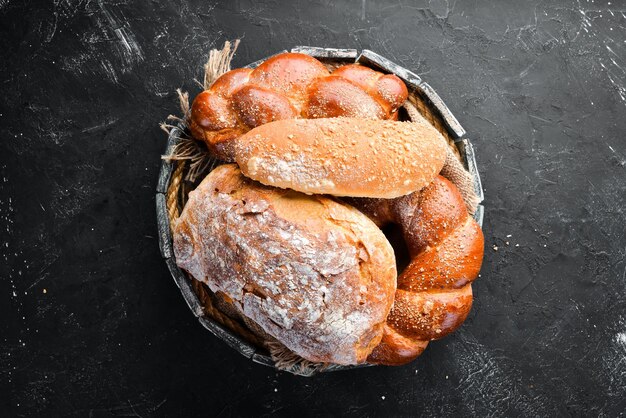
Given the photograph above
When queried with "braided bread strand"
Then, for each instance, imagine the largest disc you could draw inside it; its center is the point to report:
(290, 86)
(434, 292)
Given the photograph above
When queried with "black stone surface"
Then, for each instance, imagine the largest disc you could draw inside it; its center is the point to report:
(92, 323)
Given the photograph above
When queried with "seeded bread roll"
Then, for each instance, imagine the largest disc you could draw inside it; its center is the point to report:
(342, 156)
(314, 273)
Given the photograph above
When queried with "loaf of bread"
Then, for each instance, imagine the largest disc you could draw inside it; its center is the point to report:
(287, 86)
(342, 156)
(434, 292)
(315, 273)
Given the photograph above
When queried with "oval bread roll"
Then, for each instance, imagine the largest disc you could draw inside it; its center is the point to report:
(342, 156)
(316, 274)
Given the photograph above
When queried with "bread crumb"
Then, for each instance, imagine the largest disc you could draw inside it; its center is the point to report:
(45, 291)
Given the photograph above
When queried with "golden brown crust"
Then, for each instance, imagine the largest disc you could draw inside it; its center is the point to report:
(396, 350)
(342, 156)
(333, 97)
(434, 293)
(257, 106)
(453, 262)
(290, 85)
(429, 315)
(388, 89)
(230, 82)
(289, 74)
(314, 273)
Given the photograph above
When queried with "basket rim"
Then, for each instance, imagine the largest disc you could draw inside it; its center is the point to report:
(366, 57)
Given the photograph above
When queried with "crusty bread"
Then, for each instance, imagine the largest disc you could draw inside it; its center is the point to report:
(342, 156)
(314, 273)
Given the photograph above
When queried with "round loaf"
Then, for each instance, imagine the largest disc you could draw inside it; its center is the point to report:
(342, 156)
(314, 273)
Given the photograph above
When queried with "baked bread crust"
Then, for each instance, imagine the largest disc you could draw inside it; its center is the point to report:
(434, 292)
(314, 273)
(342, 156)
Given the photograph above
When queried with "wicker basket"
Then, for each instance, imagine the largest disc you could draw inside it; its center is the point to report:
(172, 191)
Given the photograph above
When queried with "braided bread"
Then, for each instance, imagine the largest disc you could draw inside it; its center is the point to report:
(287, 86)
(434, 292)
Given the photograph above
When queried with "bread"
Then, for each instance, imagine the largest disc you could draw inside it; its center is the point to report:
(314, 273)
(286, 86)
(309, 270)
(434, 292)
(342, 156)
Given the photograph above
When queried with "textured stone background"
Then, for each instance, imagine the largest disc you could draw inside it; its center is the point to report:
(92, 323)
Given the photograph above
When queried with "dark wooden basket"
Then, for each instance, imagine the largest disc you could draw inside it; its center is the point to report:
(230, 330)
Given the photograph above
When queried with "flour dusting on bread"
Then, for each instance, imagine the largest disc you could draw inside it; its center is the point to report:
(314, 273)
